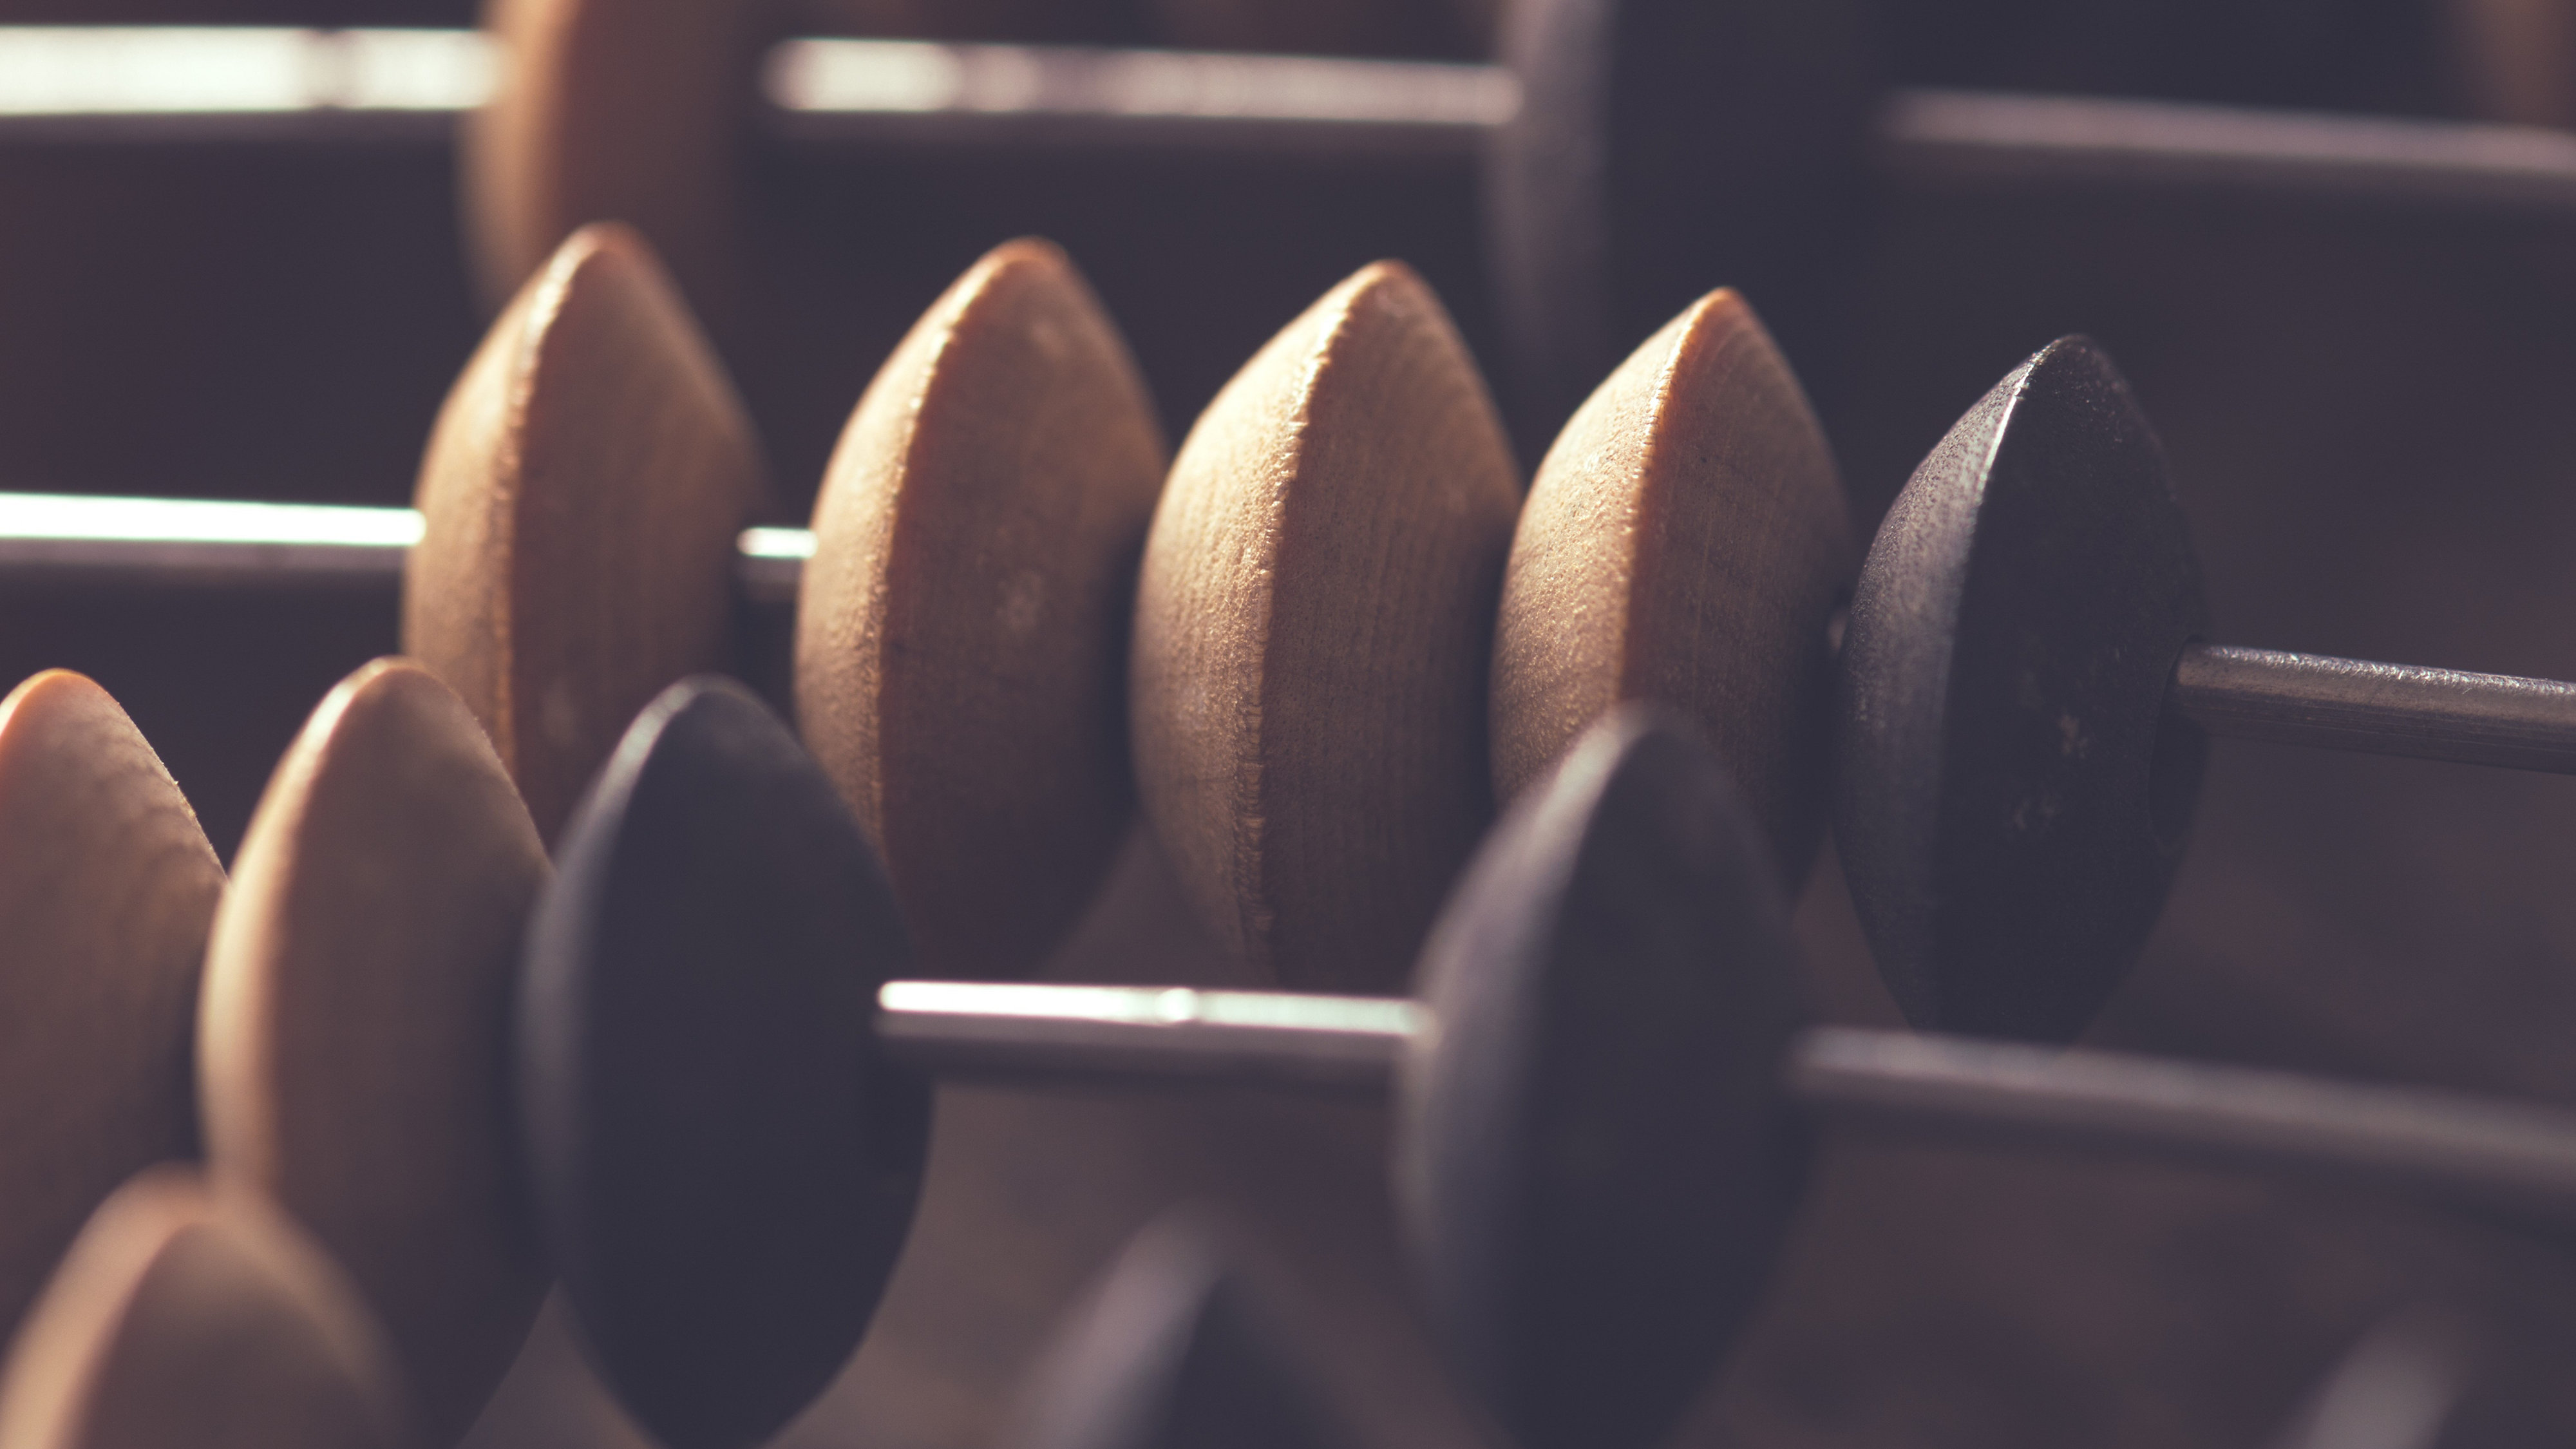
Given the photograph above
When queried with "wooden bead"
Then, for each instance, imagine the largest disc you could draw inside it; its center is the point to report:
(613, 110)
(725, 1170)
(2012, 798)
(961, 638)
(107, 887)
(354, 1056)
(580, 497)
(1313, 629)
(1594, 1164)
(1685, 542)
(187, 1319)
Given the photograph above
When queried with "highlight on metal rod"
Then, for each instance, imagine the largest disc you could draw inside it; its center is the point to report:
(328, 86)
(179, 542)
(2386, 709)
(324, 85)
(1968, 140)
(2511, 1158)
(1129, 1033)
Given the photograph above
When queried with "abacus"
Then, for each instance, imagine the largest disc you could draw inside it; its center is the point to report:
(1187, 724)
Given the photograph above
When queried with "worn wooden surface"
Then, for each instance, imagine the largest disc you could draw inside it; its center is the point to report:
(185, 1318)
(962, 630)
(580, 498)
(1313, 629)
(107, 886)
(355, 1039)
(613, 110)
(1684, 542)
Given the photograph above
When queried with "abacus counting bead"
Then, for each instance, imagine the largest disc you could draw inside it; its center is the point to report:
(961, 629)
(2383, 709)
(185, 1315)
(353, 1029)
(109, 889)
(2027, 692)
(580, 497)
(1314, 617)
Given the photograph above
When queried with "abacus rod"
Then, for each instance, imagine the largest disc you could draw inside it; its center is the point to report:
(163, 542)
(2516, 1159)
(2255, 694)
(1971, 141)
(2479, 1154)
(367, 85)
(1139, 1033)
(2386, 709)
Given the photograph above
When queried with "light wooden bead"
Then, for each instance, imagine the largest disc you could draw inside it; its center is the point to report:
(359, 990)
(614, 110)
(1685, 542)
(961, 637)
(1313, 630)
(107, 887)
(581, 498)
(184, 1319)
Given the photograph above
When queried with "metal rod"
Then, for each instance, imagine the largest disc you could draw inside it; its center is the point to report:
(1956, 141)
(369, 86)
(1136, 1033)
(2386, 709)
(2257, 694)
(2485, 1155)
(837, 95)
(57, 538)
(2474, 1153)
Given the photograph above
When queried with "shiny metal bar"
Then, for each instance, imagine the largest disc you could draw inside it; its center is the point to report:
(111, 84)
(231, 84)
(61, 538)
(855, 95)
(2484, 1155)
(1954, 141)
(2468, 1152)
(2385, 709)
(374, 86)
(1129, 1034)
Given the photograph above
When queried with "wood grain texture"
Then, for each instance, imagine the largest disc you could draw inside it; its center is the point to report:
(188, 1319)
(1313, 629)
(613, 110)
(581, 496)
(1685, 542)
(356, 1022)
(962, 634)
(107, 888)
